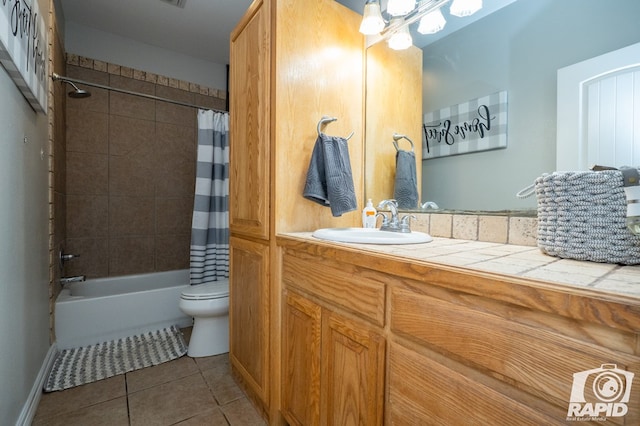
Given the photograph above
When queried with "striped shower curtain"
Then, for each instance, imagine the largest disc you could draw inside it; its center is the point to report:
(210, 224)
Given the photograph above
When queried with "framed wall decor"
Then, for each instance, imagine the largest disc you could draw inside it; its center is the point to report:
(23, 49)
(477, 125)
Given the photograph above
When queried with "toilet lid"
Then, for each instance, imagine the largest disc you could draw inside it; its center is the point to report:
(214, 290)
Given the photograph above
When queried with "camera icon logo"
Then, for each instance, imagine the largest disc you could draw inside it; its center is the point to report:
(600, 392)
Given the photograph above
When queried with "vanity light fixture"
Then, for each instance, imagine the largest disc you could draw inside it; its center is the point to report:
(403, 13)
(432, 22)
(400, 7)
(372, 21)
(401, 39)
(465, 7)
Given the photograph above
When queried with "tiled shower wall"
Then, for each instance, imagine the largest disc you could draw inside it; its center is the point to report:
(130, 171)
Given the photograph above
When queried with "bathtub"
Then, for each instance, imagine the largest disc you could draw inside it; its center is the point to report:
(102, 309)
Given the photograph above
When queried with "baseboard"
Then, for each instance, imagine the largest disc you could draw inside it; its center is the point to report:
(31, 405)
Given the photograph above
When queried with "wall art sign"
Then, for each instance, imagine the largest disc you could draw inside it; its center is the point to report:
(477, 125)
(23, 49)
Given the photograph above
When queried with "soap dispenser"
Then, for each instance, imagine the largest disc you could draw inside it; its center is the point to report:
(369, 215)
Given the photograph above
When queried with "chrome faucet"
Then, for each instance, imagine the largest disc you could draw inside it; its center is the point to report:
(389, 223)
(69, 280)
(393, 224)
(405, 222)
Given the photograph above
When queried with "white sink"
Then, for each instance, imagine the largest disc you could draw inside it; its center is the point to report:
(371, 236)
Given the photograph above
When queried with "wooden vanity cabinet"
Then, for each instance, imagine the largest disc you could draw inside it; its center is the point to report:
(291, 63)
(332, 367)
(462, 346)
(249, 191)
(332, 363)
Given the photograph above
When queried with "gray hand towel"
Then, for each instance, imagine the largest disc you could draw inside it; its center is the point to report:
(406, 189)
(329, 178)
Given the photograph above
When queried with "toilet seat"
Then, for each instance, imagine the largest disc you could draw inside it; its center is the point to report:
(214, 290)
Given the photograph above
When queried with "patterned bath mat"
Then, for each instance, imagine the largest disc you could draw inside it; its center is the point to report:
(78, 366)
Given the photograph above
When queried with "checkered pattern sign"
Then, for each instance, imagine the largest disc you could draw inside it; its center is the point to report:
(477, 125)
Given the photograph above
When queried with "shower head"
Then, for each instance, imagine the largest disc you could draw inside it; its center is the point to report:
(78, 93)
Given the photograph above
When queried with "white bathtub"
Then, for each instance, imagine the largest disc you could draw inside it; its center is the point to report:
(103, 309)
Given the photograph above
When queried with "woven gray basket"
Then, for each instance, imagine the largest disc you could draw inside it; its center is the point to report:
(581, 215)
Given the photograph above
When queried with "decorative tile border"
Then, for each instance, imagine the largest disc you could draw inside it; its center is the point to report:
(161, 80)
(520, 230)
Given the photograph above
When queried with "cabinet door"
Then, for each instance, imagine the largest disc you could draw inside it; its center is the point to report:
(249, 313)
(423, 391)
(249, 79)
(301, 361)
(352, 388)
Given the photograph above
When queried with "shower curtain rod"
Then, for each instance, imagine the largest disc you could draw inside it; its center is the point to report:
(57, 77)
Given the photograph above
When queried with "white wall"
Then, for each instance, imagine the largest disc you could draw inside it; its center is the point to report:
(24, 239)
(518, 49)
(119, 50)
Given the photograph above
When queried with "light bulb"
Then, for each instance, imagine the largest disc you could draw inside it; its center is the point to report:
(400, 7)
(401, 39)
(465, 7)
(372, 22)
(432, 22)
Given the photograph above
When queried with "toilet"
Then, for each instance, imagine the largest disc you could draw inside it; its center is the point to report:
(208, 304)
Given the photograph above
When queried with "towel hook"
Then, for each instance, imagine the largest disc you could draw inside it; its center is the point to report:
(326, 119)
(397, 137)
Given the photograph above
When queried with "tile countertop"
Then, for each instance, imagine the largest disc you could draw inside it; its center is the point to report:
(510, 259)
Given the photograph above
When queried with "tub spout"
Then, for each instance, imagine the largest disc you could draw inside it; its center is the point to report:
(69, 280)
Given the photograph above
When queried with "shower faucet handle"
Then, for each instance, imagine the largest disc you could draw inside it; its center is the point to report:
(67, 257)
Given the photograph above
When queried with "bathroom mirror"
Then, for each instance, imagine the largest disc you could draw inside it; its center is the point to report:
(518, 49)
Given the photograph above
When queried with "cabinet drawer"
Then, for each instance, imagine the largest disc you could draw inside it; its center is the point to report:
(539, 361)
(422, 391)
(358, 290)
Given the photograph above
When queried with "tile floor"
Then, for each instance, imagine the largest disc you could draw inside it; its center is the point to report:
(186, 392)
